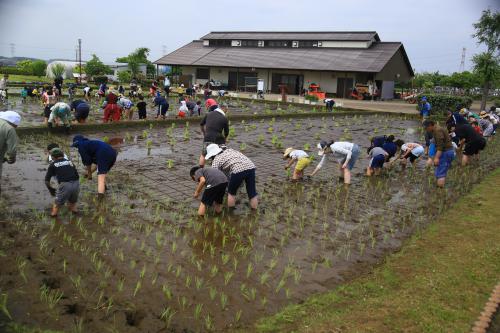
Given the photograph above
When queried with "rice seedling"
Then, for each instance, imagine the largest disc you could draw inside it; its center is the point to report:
(3, 305)
(21, 266)
(209, 325)
(166, 315)
(197, 311)
(223, 300)
(138, 286)
(50, 296)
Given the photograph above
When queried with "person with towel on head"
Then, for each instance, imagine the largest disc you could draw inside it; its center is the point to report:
(9, 120)
(98, 155)
(60, 112)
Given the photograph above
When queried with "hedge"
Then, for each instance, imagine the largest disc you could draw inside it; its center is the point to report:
(440, 104)
(14, 71)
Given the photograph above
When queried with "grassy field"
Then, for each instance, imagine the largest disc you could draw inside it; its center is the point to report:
(29, 78)
(438, 282)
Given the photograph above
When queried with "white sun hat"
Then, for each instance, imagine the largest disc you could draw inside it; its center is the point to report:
(11, 116)
(212, 150)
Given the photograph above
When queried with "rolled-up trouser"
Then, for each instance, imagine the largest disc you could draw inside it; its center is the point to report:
(67, 191)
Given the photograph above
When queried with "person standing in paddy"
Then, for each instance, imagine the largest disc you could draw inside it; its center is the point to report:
(238, 168)
(215, 183)
(162, 104)
(98, 155)
(214, 126)
(425, 108)
(346, 154)
(302, 160)
(445, 153)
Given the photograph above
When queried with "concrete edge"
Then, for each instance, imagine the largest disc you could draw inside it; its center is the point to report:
(22, 131)
(490, 309)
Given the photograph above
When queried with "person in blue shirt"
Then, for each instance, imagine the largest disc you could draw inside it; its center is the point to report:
(425, 108)
(390, 147)
(96, 154)
(162, 104)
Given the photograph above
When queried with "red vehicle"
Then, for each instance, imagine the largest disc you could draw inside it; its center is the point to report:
(314, 90)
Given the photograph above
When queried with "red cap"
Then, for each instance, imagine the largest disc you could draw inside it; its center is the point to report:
(210, 102)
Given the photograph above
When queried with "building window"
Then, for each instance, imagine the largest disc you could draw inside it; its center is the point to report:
(203, 73)
(260, 43)
(278, 43)
(249, 43)
(220, 42)
(306, 43)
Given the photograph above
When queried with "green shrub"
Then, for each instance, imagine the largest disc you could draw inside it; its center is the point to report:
(124, 76)
(312, 98)
(440, 104)
(14, 71)
(100, 79)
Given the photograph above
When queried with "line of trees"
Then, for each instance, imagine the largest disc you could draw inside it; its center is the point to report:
(30, 67)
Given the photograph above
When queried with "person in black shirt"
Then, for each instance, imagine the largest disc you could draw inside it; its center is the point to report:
(141, 108)
(214, 126)
(470, 142)
(69, 182)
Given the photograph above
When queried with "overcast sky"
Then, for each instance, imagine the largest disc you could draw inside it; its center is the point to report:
(432, 31)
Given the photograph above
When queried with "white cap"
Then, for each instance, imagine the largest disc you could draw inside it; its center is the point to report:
(212, 150)
(11, 116)
(321, 150)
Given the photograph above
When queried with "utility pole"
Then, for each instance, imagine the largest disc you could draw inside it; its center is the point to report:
(12, 49)
(462, 63)
(80, 58)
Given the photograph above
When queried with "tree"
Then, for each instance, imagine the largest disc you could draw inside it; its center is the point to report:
(124, 76)
(135, 59)
(57, 70)
(486, 64)
(25, 66)
(96, 67)
(39, 68)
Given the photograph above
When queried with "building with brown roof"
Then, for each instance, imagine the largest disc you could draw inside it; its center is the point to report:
(337, 61)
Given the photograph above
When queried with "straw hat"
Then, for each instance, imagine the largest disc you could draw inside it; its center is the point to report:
(483, 114)
(287, 152)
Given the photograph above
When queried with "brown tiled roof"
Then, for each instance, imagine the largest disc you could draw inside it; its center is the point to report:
(294, 35)
(372, 59)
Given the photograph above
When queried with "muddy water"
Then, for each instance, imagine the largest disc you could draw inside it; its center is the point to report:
(146, 263)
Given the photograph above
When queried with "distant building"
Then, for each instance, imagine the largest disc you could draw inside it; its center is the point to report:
(337, 61)
(117, 67)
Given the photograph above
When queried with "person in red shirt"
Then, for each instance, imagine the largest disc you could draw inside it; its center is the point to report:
(112, 111)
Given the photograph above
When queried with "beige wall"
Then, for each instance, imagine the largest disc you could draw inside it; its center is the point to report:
(326, 80)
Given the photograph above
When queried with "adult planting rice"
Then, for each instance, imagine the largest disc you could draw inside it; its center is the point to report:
(345, 153)
(96, 155)
(60, 112)
(445, 153)
(81, 110)
(9, 120)
(238, 168)
(214, 126)
(470, 142)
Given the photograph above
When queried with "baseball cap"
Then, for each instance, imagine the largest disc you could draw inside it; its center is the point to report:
(210, 102)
